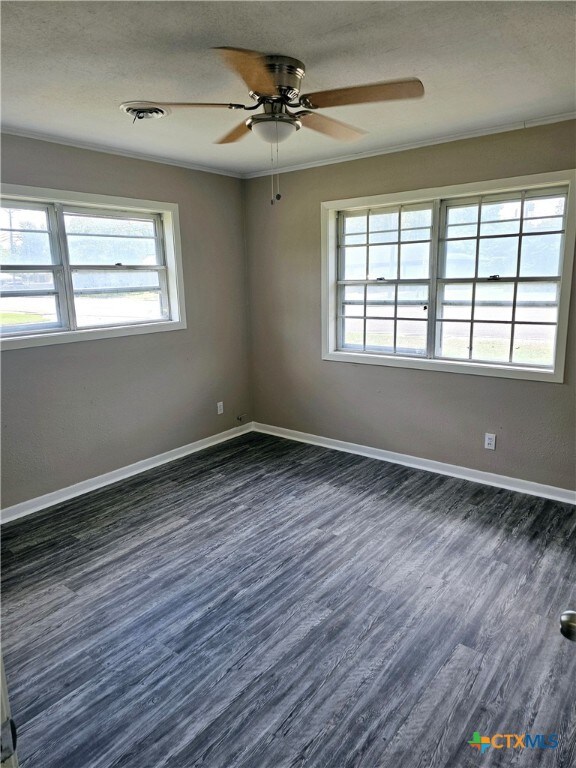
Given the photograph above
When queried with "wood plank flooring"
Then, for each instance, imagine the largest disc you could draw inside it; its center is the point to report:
(269, 604)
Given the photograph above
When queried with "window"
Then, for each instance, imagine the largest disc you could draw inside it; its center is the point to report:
(468, 279)
(383, 274)
(72, 270)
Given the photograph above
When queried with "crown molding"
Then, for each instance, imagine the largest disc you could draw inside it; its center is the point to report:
(519, 125)
(419, 144)
(120, 152)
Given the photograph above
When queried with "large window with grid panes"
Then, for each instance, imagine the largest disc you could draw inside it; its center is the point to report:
(469, 280)
(82, 269)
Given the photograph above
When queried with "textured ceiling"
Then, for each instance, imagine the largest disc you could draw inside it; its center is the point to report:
(485, 65)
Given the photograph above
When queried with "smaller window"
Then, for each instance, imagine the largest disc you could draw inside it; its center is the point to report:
(82, 271)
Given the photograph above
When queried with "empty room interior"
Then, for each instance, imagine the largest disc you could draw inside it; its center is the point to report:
(288, 384)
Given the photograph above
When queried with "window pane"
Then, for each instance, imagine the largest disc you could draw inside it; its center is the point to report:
(415, 234)
(537, 302)
(28, 311)
(491, 341)
(381, 300)
(354, 224)
(453, 340)
(411, 336)
(462, 230)
(354, 239)
(20, 218)
(354, 263)
(26, 281)
(384, 220)
(380, 333)
(460, 258)
(413, 301)
(540, 255)
(551, 224)
(354, 293)
(108, 225)
(383, 262)
(416, 218)
(353, 310)
(353, 300)
(498, 256)
(106, 281)
(415, 261)
(455, 301)
(462, 214)
(493, 301)
(384, 237)
(25, 248)
(500, 228)
(353, 333)
(534, 344)
(101, 250)
(118, 308)
(501, 210)
(544, 206)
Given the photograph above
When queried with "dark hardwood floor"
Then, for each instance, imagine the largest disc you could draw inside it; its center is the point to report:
(269, 604)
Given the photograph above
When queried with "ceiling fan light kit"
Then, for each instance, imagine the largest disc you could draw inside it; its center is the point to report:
(274, 129)
(274, 83)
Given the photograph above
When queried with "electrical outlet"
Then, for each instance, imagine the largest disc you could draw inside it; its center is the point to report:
(220, 408)
(490, 441)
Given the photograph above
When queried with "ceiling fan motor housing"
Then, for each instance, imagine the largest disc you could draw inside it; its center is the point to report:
(287, 74)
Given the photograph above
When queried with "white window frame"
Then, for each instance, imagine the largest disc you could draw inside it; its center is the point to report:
(329, 247)
(168, 213)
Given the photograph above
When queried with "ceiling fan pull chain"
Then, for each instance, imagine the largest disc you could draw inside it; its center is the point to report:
(271, 176)
(278, 195)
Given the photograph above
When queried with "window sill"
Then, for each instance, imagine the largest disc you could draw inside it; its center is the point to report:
(66, 337)
(447, 366)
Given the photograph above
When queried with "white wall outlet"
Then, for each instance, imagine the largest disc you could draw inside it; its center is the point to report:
(220, 408)
(490, 441)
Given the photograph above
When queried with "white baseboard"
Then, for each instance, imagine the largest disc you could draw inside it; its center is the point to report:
(453, 470)
(57, 497)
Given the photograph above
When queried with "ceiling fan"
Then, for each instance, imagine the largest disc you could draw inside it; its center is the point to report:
(274, 83)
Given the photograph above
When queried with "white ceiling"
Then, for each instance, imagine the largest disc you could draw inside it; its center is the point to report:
(485, 66)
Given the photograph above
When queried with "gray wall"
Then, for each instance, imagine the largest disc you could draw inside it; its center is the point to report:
(435, 415)
(75, 411)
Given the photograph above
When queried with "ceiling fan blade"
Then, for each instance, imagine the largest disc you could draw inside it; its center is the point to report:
(251, 66)
(235, 134)
(364, 94)
(333, 128)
